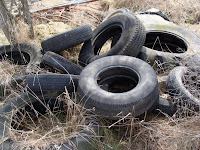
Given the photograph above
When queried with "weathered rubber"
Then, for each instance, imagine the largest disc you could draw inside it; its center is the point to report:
(52, 82)
(67, 39)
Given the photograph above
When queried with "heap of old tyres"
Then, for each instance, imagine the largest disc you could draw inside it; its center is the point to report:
(110, 29)
(127, 34)
(38, 104)
(165, 41)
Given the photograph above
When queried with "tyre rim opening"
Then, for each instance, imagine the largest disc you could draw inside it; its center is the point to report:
(106, 39)
(117, 79)
(165, 42)
(16, 57)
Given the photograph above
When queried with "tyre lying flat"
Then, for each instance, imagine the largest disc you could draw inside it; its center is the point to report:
(118, 85)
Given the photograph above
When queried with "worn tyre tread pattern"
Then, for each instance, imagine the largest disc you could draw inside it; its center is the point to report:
(137, 40)
(52, 82)
(67, 39)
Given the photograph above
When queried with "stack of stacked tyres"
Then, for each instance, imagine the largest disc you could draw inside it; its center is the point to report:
(118, 83)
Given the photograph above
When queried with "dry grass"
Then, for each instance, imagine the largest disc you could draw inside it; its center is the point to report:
(191, 81)
(7, 70)
(170, 134)
(180, 11)
(67, 120)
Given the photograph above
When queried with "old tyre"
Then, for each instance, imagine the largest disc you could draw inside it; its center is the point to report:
(61, 64)
(127, 31)
(20, 54)
(118, 85)
(67, 39)
(166, 106)
(52, 82)
(29, 102)
(177, 88)
(167, 41)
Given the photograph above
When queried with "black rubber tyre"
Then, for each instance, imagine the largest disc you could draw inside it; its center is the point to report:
(167, 41)
(67, 39)
(116, 84)
(130, 34)
(52, 82)
(29, 102)
(166, 106)
(177, 89)
(61, 64)
(22, 54)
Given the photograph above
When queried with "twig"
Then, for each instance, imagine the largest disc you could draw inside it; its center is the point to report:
(119, 120)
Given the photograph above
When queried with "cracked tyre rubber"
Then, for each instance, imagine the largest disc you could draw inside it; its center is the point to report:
(116, 84)
(61, 64)
(67, 39)
(177, 89)
(52, 82)
(128, 35)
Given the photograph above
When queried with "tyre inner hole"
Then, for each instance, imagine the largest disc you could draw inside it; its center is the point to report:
(117, 79)
(106, 39)
(165, 42)
(16, 57)
(31, 113)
